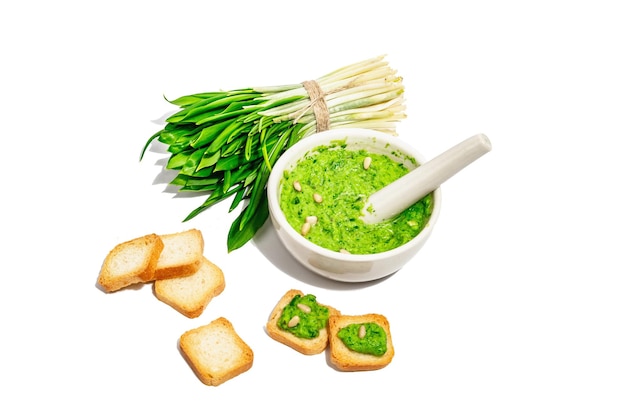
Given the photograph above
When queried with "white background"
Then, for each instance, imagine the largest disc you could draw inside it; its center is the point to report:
(515, 307)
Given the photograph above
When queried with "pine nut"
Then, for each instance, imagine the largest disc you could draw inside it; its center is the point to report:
(304, 308)
(312, 220)
(367, 162)
(342, 250)
(297, 186)
(305, 229)
(361, 332)
(294, 321)
(317, 198)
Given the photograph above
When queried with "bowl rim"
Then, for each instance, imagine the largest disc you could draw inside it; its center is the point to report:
(301, 148)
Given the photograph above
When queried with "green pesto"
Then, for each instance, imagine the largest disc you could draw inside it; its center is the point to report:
(310, 323)
(374, 342)
(337, 174)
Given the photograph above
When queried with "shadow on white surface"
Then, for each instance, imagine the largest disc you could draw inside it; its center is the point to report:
(267, 242)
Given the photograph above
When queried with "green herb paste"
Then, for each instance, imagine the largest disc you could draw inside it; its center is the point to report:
(374, 342)
(337, 178)
(310, 323)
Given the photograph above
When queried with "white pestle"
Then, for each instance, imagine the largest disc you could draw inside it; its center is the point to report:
(394, 198)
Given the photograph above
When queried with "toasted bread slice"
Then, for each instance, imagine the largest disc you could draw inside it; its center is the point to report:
(181, 255)
(215, 352)
(303, 345)
(131, 262)
(345, 359)
(190, 295)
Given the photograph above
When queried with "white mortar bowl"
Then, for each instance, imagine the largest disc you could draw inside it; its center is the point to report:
(325, 262)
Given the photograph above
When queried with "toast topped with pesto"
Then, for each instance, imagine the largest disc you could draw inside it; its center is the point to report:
(360, 343)
(300, 322)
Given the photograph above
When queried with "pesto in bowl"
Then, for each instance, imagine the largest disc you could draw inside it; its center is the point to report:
(323, 196)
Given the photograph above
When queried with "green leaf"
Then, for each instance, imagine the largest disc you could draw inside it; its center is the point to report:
(190, 100)
(231, 162)
(250, 141)
(176, 161)
(208, 159)
(239, 234)
(152, 138)
(227, 181)
(209, 134)
(238, 199)
(192, 162)
(225, 135)
(192, 106)
(204, 172)
(201, 182)
(234, 146)
(217, 196)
